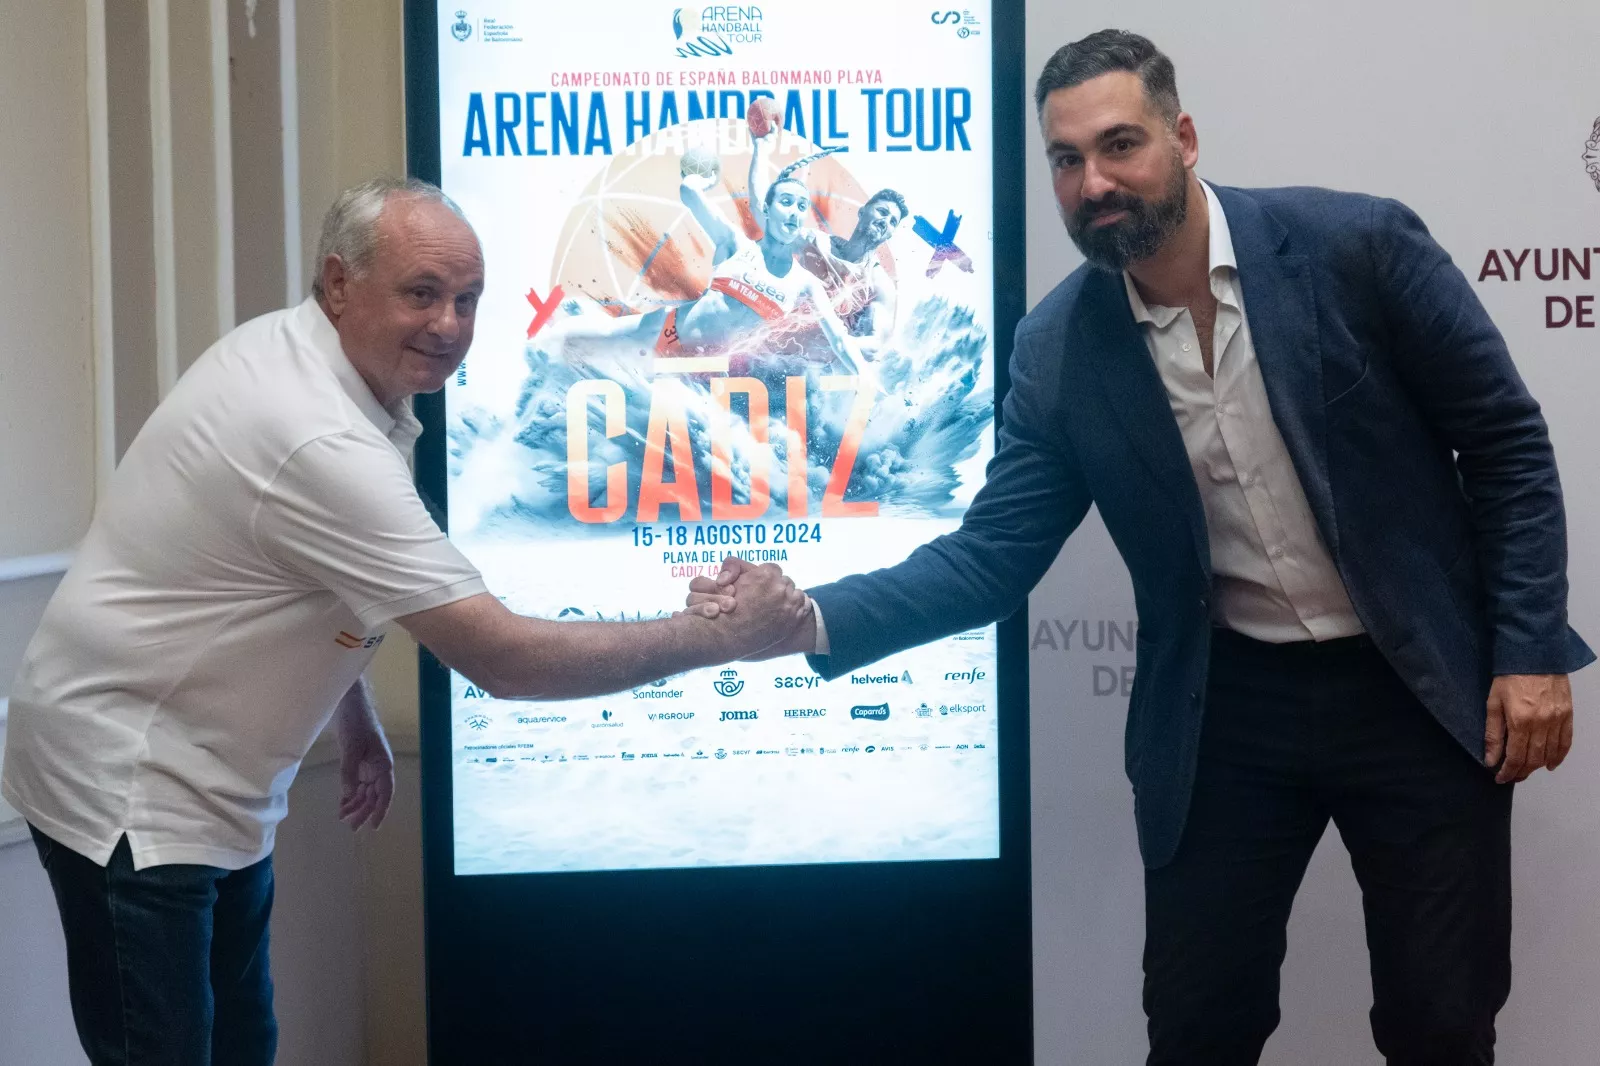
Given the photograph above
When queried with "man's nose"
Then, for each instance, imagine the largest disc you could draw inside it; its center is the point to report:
(1096, 182)
(446, 325)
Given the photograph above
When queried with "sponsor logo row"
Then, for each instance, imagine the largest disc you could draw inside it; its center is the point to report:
(873, 712)
(503, 757)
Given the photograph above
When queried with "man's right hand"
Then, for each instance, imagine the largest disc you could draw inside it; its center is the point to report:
(739, 597)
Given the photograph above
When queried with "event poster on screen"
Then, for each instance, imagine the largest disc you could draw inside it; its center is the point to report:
(739, 301)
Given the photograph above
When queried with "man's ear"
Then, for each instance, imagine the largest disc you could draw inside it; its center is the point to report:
(335, 284)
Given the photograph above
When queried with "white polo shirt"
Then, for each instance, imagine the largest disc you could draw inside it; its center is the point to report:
(258, 535)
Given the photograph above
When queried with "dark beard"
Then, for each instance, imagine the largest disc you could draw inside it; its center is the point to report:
(1148, 225)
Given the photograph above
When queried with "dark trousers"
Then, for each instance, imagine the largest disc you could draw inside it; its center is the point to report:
(1294, 735)
(166, 965)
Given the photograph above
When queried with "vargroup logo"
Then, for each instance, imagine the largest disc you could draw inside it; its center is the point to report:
(715, 29)
(878, 712)
(478, 721)
(672, 716)
(728, 684)
(462, 28)
(739, 716)
(1591, 155)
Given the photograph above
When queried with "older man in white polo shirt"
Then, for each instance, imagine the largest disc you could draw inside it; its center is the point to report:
(260, 533)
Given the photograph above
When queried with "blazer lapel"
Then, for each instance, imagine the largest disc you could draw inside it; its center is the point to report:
(1133, 390)
(1281, 306)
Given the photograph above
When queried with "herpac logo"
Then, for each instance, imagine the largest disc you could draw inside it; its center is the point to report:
(878, 712)
(729, 684)
(462, 28)
(740, 716)
(1591, 155)
(715, 29)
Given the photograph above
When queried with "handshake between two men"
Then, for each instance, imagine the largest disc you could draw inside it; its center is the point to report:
(757, 604)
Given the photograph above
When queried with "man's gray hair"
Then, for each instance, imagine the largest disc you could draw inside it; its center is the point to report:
(350, 228)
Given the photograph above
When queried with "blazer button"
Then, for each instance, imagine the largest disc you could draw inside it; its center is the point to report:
(1204, 603)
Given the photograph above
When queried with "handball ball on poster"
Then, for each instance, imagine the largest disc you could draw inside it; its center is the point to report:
(763, 116)
(701, 162)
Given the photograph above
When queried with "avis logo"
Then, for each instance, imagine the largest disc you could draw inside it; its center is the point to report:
(478, 721)
(729, 684)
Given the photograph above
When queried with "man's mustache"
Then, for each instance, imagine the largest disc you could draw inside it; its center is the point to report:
(1108, 204)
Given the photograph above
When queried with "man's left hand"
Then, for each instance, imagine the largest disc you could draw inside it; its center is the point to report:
(1529, 725)
(366, 774)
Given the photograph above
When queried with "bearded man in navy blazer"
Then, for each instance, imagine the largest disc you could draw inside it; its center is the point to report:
(1340, 510)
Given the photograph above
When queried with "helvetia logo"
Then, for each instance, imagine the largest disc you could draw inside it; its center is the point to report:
(728, 684)
(1591, 155)
(462, 28)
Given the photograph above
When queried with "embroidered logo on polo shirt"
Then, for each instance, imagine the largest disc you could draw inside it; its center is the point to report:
(351, 641)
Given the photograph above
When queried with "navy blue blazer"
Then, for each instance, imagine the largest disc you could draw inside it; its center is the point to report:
(1427, 465)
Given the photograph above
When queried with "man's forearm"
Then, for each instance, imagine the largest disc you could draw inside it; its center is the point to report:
(566, 660)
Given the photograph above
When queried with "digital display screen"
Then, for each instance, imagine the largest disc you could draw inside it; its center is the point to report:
(740, 299)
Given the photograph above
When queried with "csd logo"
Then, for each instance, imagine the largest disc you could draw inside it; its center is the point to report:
(944, 18)
(729, 684)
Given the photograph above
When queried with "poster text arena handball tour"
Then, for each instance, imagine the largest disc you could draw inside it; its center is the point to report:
(695, 341)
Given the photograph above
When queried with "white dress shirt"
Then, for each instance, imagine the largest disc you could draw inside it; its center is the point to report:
(1272, 577)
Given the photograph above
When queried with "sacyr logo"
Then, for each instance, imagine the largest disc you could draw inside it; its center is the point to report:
(877, 712)
(478, 721)
(728, 684)
(971, 677)
(796, 682)
(740, 716)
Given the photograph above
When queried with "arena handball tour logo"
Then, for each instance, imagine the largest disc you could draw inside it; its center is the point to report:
(1591, 155)
(715, 29)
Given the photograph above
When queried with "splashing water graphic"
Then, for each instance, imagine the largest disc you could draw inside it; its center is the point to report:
(509, 469)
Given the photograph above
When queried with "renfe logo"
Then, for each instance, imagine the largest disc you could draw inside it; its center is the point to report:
(971, 677)
(878, 712)
(739, 716)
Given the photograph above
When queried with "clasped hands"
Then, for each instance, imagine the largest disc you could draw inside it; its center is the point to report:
(764, 616)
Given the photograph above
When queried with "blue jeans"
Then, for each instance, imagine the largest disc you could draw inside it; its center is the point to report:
(166, 965)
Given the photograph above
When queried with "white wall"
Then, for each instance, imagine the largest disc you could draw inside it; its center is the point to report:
(1476, 115)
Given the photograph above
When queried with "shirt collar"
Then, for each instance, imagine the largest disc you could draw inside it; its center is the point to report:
(396, 422)
(1222, 261)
